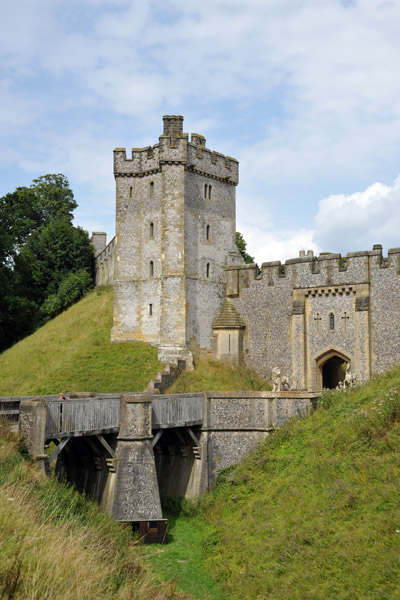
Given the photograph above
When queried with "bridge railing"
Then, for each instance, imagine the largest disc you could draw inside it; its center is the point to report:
(177, 410)
(82, 415)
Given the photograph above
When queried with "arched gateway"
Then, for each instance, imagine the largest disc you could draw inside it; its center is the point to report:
(331, 368)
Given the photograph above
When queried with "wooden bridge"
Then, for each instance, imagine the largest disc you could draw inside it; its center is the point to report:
(128, 450)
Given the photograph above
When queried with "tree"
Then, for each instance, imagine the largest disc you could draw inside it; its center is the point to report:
(49, 255)
(54, 198)
(42, 255)
(241, 244)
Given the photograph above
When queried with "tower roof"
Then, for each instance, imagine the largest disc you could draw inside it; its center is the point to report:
(228, 317)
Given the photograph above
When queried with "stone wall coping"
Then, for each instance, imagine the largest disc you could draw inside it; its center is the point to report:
(136, 398)
(304, 259)
(364, 253)
(394, 251)
(241, 267)
(248, 395)
(272, 263)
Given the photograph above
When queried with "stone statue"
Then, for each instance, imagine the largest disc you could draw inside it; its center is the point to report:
(350, 379)
(279, 381)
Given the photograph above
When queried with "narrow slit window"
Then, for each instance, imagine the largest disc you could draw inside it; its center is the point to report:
(205, 190)
(130, 192)
(151, 269)
(151, 230)
(208, 233)
(229, 342)
(331, 322)
(151, 189)
(150, 310)
(208, 270)
(209, 191)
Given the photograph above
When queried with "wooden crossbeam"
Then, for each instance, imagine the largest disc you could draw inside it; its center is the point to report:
(157, 437)
(106, 445)
(57, 450)
(194, 438)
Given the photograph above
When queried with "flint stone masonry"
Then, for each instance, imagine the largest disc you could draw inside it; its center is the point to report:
(288, 311)
(181, 285)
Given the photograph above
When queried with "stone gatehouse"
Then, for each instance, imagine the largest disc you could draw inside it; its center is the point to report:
(181, 285)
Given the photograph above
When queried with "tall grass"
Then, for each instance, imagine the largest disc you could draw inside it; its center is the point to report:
(73, 352)
(315, 511)
(56, 544)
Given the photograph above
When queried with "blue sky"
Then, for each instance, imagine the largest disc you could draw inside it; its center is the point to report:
(304, 93)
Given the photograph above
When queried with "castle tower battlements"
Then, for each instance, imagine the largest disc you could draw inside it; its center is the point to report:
(174, 147)
(175, 233)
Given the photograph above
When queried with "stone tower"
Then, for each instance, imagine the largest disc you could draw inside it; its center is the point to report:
(175, 233)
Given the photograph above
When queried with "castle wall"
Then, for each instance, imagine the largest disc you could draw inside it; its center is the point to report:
(265, 305)
(105, 263)
(209, 237)
(300, 315)
(137, 245)
(385, 311)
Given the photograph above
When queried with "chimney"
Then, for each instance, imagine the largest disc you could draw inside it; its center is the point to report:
(173, 125)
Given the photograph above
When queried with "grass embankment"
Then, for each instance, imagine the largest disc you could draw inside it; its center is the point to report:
(213, 375)
(56, 544)
(315, 511)
(73, 353)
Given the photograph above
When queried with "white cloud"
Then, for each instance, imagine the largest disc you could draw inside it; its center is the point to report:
(305, 94)
(267, 246)
(358, 221)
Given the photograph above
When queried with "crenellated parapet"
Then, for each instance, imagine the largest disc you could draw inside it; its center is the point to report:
(174, 147)
(311, 271)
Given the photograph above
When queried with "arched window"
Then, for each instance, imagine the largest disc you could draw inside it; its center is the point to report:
(208, 270)
(151, 189)
(205, 190)
(209, 191)
(208, 233)
(151, 230)
(331, 322)
(151, 269)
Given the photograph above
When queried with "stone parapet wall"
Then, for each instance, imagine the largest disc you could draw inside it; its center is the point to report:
(105, 264)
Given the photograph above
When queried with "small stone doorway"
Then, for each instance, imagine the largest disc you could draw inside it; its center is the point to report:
(333, 371)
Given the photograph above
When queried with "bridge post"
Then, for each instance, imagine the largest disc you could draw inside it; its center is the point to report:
(132, 492)
(32, 425)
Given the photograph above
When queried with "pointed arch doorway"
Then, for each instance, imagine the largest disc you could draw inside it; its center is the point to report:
(331, 368)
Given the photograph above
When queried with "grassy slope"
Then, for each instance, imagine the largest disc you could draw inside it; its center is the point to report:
(315, 512)
(56, 544)
(73, 353)
(217, 376)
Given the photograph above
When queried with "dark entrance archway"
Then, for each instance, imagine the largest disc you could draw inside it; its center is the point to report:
(333, 371)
